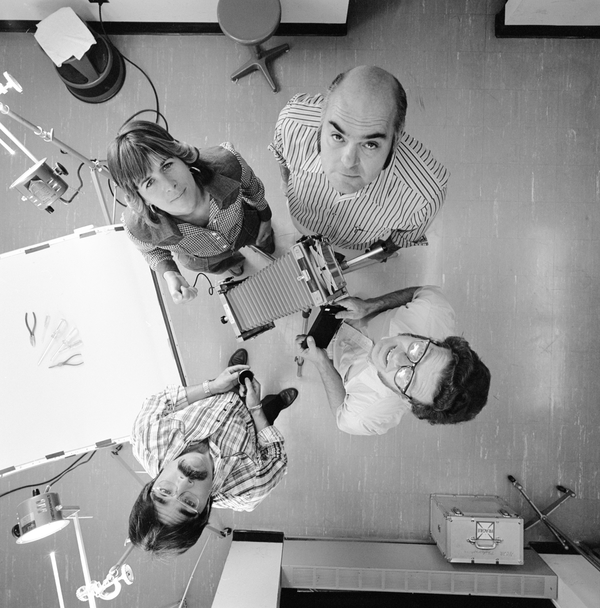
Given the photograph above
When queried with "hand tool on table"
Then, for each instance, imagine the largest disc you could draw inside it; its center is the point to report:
(72, 361)
(31, 330)
(55, 334)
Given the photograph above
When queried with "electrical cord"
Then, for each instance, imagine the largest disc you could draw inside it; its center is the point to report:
(54, 479)
(211, 289)
(157, 110)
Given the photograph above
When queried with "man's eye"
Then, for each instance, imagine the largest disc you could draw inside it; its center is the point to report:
(148, 184)
(167, 165)
(371, 145)
(337, 137)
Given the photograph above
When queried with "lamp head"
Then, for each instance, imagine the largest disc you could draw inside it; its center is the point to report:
(38, 517)
(41, 185)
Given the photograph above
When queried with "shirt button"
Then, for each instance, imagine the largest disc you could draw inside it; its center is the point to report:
(214, 233)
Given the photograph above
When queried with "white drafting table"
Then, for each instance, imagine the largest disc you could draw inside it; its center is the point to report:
(99, 283)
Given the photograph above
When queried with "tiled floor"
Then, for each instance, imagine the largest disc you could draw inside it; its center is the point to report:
(515, 249)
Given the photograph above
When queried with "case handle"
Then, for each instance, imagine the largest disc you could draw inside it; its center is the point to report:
(490, 545)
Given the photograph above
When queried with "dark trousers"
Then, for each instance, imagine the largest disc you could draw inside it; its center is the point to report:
(271, 406)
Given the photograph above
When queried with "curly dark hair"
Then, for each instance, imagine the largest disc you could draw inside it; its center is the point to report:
(131, 154)
(148, 533)
(463, 389)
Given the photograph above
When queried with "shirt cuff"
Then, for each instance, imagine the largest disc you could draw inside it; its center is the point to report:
(165, 266)
(277, 154)
(269, 435)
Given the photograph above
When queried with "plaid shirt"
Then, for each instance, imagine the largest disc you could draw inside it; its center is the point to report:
(399, 204)
(218, 236)
(247, 465)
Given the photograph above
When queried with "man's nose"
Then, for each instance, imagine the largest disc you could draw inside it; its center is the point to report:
(183, 481)
(350, 156)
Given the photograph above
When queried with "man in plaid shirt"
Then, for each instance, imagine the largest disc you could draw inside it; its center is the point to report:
(203, 445)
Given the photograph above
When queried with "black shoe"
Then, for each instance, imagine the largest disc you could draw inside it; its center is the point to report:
(288, 396)
(272, 405)
(239, 357)
(237, 271)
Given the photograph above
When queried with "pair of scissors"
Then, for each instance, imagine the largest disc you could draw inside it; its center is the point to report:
(31, 330)
(72, 361)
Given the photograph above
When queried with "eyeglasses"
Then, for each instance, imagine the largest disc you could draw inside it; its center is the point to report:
(415, 352)
(169, 490)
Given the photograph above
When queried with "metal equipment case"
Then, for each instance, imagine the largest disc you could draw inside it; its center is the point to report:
(472, 529)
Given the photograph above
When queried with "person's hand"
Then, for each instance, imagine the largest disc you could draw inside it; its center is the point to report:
(285, 178)
(264, 232)
(251, 392)
(355, 309)
(227, 380)
(179, 288)
(311, 351)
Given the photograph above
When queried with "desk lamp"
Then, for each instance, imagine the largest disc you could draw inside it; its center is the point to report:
(42, 515)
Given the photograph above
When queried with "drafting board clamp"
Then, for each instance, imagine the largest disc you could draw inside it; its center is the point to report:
(99, 283)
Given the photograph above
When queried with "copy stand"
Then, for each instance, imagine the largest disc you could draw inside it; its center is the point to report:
(541, 516)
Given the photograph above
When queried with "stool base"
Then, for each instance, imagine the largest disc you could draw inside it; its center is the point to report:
(258, 61)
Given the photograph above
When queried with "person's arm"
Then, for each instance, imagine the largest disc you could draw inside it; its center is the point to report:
(271, 462)
(251, 188)
(224, 382)
(285, 176)
(253, 191)
(181, 291)
(332, 381)
(357, 308)
(162, 263)
(427, 180)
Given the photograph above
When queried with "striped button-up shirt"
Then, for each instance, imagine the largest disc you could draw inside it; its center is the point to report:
(399, 204)
(218, 236)
(247, 465)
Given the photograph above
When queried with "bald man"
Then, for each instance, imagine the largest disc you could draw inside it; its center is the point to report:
(349, 170)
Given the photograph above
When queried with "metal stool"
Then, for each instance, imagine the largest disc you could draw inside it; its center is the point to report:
(251, 22)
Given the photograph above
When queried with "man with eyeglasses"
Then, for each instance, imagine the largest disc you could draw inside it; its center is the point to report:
(204, 445)
(397, 353)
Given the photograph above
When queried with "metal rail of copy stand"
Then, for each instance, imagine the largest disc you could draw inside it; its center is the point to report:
(541, 516)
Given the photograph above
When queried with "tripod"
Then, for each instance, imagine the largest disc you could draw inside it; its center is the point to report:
(541, 516)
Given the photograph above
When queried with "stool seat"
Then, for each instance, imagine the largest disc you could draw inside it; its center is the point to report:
(251, 22)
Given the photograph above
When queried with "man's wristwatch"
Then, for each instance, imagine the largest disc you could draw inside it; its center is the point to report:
(206, 388)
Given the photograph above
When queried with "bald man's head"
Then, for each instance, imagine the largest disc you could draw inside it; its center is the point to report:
(362, 118)
(372, 83)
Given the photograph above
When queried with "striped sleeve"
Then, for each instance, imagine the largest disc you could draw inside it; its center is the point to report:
(302, 112)
(425, 183)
